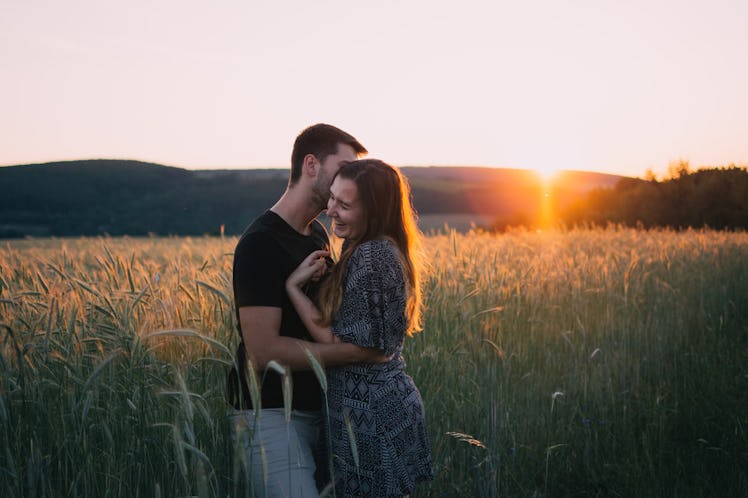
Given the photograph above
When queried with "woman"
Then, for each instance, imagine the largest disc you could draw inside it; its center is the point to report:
(371, 298)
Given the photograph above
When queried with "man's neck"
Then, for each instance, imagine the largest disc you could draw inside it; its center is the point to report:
(296, 210)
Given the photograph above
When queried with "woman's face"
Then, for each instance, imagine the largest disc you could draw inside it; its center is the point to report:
(346, 210)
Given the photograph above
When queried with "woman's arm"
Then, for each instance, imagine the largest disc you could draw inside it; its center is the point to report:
(309, 314)
(313, 266)
(260, 327)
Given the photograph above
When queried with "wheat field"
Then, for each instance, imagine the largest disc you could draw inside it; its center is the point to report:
(585, 362)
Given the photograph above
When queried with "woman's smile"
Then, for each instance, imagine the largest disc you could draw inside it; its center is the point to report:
(345, 209)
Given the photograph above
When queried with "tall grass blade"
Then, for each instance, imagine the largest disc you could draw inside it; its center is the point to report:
(319, 372)
(190, 333)
(222, 295)
(100, 368)
(352, 441)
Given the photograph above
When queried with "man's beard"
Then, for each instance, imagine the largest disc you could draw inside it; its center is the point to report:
(320, 195)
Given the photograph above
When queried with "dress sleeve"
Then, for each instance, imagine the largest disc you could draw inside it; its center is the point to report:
(372, 313)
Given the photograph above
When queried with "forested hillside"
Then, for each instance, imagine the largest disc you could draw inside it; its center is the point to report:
(129, 197)
(133, 198)
(710, 197)
(119, 197)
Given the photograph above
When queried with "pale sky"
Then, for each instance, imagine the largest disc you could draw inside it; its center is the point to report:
(610, 86)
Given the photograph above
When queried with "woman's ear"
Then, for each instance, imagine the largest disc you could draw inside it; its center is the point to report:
(311, 165)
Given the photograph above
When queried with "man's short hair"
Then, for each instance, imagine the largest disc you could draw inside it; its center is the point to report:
(321, 140)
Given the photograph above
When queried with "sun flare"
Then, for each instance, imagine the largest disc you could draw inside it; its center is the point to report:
(546, 174)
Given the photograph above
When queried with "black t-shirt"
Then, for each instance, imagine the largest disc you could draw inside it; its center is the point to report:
(266, 254)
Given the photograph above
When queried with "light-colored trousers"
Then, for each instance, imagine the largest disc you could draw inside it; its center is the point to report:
(278, 456)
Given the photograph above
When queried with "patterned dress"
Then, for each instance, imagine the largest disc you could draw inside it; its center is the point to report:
(379, 401)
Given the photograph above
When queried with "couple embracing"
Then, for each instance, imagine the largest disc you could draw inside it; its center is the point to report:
(352, 315)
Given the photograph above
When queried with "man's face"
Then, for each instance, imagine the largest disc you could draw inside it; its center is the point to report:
(327, 170)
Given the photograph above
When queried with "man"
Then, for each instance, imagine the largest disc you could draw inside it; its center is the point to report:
(280, 454)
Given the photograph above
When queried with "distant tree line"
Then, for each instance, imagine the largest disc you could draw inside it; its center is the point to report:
(119, 197)
(710, 197)
(122, 197)
(113, 197)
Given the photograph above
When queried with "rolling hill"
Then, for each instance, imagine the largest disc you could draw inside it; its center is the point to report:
(120, 197)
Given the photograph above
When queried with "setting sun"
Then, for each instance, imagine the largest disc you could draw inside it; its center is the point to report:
(546, 174)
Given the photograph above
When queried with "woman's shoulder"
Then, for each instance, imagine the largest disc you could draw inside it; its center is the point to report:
(378, 246)
(377, 253)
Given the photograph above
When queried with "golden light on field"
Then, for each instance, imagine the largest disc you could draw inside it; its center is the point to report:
(546, 216)
(124, 342)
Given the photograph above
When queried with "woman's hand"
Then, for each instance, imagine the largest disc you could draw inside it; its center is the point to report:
(312, 268)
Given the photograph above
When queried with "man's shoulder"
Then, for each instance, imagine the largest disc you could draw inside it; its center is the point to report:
(259, 234)
(263, 223)
(255, 239)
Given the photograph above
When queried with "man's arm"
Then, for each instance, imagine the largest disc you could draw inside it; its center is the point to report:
(260, 326)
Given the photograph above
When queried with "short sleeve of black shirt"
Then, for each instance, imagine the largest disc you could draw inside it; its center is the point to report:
(257, 283)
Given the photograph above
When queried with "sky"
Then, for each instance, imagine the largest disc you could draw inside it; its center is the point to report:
(611, 86)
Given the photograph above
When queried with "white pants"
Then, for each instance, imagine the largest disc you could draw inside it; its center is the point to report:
(277, 455)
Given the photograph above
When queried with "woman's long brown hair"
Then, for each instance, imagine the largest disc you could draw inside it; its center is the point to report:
(385, 196)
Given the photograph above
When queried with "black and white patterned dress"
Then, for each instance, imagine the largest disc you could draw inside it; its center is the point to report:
(380, 401)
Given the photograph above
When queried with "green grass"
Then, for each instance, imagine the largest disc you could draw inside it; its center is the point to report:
(578, 363)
